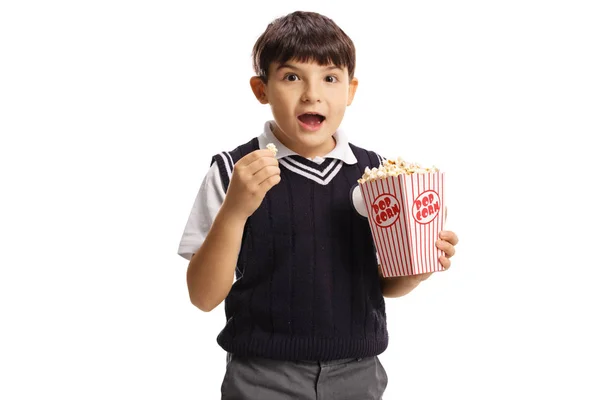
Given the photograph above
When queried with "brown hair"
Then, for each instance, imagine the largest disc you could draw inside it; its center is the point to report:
(306, 37)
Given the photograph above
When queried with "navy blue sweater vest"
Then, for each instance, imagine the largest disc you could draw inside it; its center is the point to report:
(307, 283)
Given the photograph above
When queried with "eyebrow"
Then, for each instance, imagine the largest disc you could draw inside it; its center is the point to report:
(330, 68)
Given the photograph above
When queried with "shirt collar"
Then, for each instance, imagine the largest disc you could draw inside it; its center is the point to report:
(341, 151)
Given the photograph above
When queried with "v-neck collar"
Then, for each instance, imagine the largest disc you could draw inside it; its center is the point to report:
(320, 173)
(341, 151)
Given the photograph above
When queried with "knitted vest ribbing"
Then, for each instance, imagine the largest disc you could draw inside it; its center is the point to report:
(308, 286)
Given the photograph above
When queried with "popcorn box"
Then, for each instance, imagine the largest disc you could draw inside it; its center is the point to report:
(405, 214)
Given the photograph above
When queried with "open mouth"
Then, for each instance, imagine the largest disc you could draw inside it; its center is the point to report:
(311, 119)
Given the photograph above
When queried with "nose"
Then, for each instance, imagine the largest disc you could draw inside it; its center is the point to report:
(311, 93)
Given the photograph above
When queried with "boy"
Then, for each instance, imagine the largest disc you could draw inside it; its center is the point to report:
(305, 315)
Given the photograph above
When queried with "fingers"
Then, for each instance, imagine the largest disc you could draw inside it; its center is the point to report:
(261, 163)
(449, 237)
(266, 173)
(253, 175)
(255, 155)
(268, 183)
(250, 165)
(445, 262)
(446, 243)
(255, 168)
(446, 247)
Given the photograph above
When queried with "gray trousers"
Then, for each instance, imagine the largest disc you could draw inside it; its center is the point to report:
(266, 379)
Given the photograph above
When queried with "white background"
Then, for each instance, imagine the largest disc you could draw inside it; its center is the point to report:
(110, 112)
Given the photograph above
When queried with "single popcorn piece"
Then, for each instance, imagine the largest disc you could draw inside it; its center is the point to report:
(394, 168)
(272, 147)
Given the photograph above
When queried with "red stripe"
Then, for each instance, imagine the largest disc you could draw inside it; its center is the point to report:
(404, 226)
(409, 223)
(413, 232)
(441, 220)
(424, 178)
(400, 228)
(416, 241)
(384, 242)
(438, 223)
(422, 229)
(372, 189)
(366, 190)
(392, 242)
(443, 209)
(419, 228)
(434, 227)
(406, 232)
(418, 231)
(385, 232)
(429, 230)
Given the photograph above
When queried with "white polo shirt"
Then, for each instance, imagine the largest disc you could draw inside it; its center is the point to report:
(211, 195)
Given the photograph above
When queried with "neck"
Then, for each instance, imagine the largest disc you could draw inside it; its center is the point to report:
(311, 153)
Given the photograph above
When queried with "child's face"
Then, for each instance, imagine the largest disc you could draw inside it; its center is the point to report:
(308, 102)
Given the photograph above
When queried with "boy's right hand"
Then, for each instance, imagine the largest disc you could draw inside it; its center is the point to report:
(253, 176)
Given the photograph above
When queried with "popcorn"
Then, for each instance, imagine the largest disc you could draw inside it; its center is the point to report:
(404, 203)
(272, 147)
(394, 168)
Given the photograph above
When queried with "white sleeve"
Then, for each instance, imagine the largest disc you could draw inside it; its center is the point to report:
(208, 201)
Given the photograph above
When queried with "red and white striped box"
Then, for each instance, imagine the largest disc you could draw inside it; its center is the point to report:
(406, 217)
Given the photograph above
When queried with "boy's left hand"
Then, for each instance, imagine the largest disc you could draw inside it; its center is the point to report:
(446, 243)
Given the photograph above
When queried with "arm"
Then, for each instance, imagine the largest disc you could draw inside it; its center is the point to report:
(400, 285)
(211, 269)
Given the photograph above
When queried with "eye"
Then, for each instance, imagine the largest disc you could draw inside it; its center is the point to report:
(291, 77)
(331, 79)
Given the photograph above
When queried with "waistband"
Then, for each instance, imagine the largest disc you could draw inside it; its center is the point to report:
(312, 362)
(330, 362)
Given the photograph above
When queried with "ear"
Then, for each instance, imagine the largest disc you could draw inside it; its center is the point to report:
(352, 90)
(259, 89)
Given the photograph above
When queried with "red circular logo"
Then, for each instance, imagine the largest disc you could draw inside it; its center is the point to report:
(385, 210)
(426, 207)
